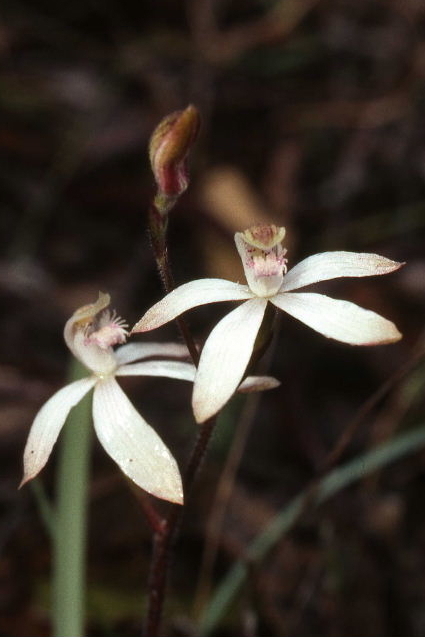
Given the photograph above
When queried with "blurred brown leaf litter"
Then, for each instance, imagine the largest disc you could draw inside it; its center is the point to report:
(313, 119)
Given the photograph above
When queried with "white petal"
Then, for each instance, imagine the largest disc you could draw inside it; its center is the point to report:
(225, 357)
(168, 369)
(257, 383)
(136, 351)
(341, 320)
(133, 444)
(333, 265)
(48, 423)
(191, 295)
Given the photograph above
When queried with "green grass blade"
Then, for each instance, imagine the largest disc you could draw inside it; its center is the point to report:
(327, 487)
(69, 555)
(44, 506)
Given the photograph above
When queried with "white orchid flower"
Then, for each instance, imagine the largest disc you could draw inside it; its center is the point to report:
(229, 347)
(139, 452)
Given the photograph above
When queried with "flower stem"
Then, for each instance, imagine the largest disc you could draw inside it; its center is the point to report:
(158, 232)
(71, 519)
(164, 538)
(165, 535)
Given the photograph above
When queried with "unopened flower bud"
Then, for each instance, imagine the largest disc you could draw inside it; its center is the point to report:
(169, 146)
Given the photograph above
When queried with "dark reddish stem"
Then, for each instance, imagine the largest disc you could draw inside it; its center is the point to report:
(152, 516)
(165, 537)
(158, 230)
(168, 281)
(165, 533)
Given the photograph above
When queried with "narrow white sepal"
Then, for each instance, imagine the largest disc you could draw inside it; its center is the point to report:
(333, 265)
(341, 320)
(48, 424)
(167, 369)
(225, 357)
(131, 352)
(189, 295)
(257, 383)
(133, 444)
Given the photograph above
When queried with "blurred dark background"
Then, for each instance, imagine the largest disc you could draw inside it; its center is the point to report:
(312, 118)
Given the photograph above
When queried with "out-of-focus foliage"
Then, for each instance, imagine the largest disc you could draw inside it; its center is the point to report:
(313, 119)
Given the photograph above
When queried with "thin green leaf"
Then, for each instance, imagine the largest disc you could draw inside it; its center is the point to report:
(327, 487)
(44, 506)
(69, 554)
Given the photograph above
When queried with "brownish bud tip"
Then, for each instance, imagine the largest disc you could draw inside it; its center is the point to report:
(169, 146)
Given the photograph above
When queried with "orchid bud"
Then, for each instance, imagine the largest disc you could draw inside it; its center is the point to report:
(168, 150)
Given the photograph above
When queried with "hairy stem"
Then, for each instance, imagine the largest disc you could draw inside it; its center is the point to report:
(164, 538)
(168, 281)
